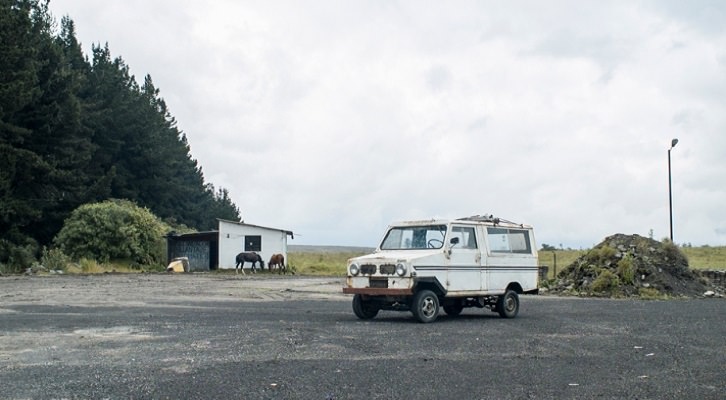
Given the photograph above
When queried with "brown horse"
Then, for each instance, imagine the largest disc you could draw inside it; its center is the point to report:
(277, 260)
(251, 257)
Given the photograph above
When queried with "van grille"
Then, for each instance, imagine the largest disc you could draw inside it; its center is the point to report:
(367, 269)
(388, 269)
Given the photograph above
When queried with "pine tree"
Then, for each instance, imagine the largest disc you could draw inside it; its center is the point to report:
(54, 119)
(74, 131)
(21, 197)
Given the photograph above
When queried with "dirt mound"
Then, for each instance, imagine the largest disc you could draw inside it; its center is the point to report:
(630, 265)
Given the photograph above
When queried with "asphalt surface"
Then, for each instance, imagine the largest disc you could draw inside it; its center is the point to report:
(166, 337)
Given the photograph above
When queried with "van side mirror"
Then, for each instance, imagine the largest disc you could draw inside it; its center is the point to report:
(454, 240)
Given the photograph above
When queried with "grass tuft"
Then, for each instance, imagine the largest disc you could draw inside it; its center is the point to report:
(651, 294)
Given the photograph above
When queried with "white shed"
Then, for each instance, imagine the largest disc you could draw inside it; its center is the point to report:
(236, 237)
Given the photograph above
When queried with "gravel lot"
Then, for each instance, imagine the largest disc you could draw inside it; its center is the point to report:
(221, 336)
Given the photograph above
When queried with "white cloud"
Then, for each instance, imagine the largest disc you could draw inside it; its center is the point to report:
(331, 119)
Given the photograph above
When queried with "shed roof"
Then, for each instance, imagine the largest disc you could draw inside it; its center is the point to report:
(242, 223)
(194, 236)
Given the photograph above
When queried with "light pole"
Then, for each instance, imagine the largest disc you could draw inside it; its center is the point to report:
(670, 195)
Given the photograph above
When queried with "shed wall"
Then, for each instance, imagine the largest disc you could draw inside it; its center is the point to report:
(232, 242)
(198, 253)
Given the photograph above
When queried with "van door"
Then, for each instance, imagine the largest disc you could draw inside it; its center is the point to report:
(512, 258)
(464, 272)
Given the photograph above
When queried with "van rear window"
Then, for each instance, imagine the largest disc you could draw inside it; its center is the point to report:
(506, 240)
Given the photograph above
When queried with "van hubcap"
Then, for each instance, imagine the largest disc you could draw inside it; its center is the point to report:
(428, 307)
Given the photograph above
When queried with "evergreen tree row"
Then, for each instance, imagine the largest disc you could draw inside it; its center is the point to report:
(75, 130)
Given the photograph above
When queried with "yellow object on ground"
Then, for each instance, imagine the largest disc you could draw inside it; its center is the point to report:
(180, 264)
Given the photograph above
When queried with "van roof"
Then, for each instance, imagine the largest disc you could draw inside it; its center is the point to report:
(488, 220)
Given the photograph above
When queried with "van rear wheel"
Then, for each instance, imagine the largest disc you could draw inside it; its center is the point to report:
(508, 304)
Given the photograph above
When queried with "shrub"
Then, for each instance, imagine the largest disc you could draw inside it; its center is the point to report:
(599, 255)
(15, 256)
(606, 281)
(54, 259)
(651, 294)
(626, 271)
(113, 229)
(673, 252)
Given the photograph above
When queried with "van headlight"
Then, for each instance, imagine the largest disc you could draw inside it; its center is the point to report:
(354, 269)
(400, 269)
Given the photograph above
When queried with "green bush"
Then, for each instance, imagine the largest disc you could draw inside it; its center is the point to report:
(111, 230)
(626, 271)
(17, 252)
(600, 254)
(672, 252)
(606, 281)
(54, 259)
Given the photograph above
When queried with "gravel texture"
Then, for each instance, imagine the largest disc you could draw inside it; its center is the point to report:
(221, 336)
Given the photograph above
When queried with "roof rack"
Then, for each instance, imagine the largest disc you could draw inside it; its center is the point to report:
(487, 218)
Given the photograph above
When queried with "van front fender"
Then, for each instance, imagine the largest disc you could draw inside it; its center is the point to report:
(430, 283)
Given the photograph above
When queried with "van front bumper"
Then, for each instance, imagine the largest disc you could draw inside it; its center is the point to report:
(378, 291)
(379, 286)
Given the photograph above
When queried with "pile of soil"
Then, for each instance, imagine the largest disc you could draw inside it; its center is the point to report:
(631, 265)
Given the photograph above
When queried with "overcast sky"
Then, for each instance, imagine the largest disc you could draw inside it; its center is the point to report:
(334, 118)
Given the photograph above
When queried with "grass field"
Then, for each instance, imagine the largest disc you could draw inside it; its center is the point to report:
(320, 263)
(334, 263)
(327, 262)
(706, 257)
(563, 258)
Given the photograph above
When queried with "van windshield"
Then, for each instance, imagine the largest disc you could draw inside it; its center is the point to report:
(414, 237)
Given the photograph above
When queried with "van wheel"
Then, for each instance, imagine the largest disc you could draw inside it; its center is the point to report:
(508, 304)
(364, 309)
(453, 309)
(425, 306)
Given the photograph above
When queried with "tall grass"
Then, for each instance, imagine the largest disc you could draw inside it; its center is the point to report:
(321, 263)
(52, 261)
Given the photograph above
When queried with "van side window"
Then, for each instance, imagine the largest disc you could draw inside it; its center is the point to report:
(466, 235)
(505, 240)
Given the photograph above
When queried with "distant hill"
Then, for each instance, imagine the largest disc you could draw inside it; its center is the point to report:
(297, 248)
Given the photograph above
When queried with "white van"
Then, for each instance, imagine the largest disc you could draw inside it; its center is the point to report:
(420, 266)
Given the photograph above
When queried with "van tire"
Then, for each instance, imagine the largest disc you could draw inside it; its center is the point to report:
(425, 306)
(364, 309)
(508, 304)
